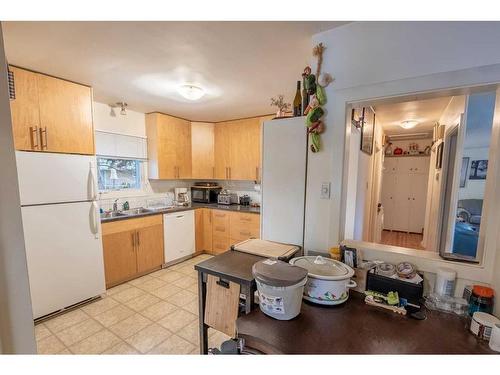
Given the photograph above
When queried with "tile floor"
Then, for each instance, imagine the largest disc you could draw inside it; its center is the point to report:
(154, 314)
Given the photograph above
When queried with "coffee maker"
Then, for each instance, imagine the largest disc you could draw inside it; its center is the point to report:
(181, 196)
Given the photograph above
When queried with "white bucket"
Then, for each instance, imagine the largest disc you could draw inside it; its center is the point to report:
(280, 302)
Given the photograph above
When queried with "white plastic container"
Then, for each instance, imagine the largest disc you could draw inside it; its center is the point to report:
(495, 338)
(482, 324)
(445, 282)
(280, 287)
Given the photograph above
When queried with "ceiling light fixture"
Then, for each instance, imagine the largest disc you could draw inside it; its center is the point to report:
(408, 124)
(123, 108)
(191, 92)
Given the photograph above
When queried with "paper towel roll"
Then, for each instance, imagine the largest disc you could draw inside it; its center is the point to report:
(495, 338)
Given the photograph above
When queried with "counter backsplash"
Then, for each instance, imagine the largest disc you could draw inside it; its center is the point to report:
(156, 189)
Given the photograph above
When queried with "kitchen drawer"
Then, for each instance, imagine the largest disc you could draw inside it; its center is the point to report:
(220, 223)
(220, 244)
(244, 219)
(244, 232)
(221, 216)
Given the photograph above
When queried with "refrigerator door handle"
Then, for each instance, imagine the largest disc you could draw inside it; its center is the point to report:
(94, 219)
(92, 182)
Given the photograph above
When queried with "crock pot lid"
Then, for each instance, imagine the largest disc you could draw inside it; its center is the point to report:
(324, 268)
(278, 273)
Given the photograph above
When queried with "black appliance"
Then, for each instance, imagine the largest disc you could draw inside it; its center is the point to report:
(205, 192)
(245, 200)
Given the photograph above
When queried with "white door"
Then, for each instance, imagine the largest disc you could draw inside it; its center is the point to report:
(179, 235)
(418, 200)
(405, 164)
(421, 165)
(64, 254)
(390, 164)
(401, 203)
(388, 190)
(53, 178)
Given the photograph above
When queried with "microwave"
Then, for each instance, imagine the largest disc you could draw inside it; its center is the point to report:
(206, 193)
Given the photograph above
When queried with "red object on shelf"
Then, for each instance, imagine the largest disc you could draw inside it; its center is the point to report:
(398, 151)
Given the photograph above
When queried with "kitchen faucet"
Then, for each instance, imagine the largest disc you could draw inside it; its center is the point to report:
(115, 205)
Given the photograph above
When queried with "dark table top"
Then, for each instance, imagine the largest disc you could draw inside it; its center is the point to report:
(232, 265)
(356, 328)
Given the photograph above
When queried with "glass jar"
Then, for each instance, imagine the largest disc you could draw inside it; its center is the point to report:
(481, 300)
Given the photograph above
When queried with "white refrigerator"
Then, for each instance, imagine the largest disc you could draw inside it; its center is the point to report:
(283, 186)
(62, 229)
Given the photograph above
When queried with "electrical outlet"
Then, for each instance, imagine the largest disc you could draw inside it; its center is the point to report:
(325, 190)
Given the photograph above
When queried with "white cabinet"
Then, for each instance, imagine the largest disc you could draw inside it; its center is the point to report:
(120, 146)
(404, 193)
(178, 234)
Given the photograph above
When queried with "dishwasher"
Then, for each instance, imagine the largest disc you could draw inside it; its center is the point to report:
(178, 235)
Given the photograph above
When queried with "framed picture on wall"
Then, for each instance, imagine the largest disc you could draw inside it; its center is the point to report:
(367, 131)
(463, 172)
(478, 170)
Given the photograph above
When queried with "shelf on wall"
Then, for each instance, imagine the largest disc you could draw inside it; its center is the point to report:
(407, 156)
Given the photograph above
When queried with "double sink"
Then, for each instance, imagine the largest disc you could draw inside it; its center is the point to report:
(132, 212)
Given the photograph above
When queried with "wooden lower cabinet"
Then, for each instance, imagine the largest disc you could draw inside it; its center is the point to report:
(132, 247)
(149, 248)
(207, 230)
(120, 262)
(217, 230)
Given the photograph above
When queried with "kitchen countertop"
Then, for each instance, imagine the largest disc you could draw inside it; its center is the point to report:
(192, 206)
(356, 328)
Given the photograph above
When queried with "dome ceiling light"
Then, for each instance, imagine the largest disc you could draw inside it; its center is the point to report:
(408, 124)
(191, 92)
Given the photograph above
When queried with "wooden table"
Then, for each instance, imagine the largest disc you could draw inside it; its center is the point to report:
(355, 328)
(231, 266)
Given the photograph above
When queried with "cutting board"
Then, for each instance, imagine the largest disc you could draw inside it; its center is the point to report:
(265, 248)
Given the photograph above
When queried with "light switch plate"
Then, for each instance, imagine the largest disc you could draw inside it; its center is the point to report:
(325, 190)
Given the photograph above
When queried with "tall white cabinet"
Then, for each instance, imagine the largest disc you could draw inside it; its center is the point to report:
(404, 191)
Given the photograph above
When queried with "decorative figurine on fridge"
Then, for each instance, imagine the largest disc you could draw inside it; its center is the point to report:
(316, 88)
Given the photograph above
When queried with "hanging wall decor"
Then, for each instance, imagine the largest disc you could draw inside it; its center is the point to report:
(314, 85)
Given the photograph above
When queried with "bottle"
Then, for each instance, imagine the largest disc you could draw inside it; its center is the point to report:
(305, 97)
(297, 102)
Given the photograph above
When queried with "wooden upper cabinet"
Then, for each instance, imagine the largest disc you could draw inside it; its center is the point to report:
(202, 150)
(51, 114)
(169, 146)
(222, 144)
(25, 110)
(245, 149)
(237, 149)
(65, 116)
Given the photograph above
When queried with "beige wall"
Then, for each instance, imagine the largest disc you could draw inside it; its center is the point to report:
(16, 317)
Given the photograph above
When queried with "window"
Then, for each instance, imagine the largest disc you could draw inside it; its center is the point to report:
(119, 174)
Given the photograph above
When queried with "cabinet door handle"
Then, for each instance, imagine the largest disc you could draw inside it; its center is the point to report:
(213, 172)
(229, 172)
(257, 173)
(34, 137)
(133, 239)
(245, 233)
(220, 229)
(43, 131)
(138, 239)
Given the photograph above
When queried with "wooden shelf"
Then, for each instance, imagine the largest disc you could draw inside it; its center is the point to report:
(406, 156)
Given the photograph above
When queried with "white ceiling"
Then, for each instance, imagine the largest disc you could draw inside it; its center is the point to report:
(427, 112)
(241, 65)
